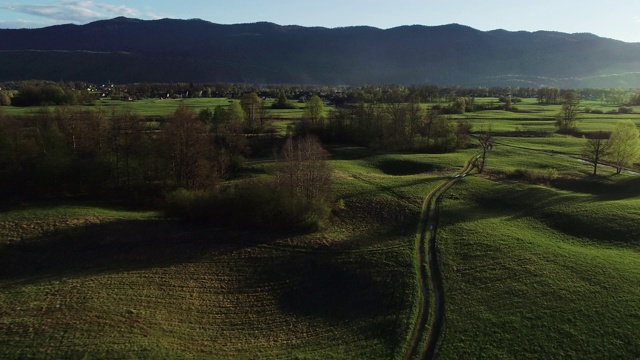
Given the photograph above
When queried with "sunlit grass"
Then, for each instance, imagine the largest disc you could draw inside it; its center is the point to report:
(539, 272)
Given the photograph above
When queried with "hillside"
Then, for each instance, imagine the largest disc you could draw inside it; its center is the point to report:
(131, 50)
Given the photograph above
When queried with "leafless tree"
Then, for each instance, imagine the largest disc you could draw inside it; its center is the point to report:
(190, 148)
(568, 115)
(596, 148)
(485, 138)
(303, 168)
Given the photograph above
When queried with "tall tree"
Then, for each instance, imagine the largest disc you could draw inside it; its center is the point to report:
(124, 139)
(254, 111)
(624, 145)
(190, 149)
(596, 148)
(568, 115)
(415, 117)
(314, 112)
(303, 169)
(486, 144)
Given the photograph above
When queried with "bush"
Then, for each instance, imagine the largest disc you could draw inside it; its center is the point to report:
(534, 176)
(189, 205)
(256, 204)
(5, 99)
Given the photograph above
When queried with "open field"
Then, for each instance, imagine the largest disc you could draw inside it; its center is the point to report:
(529, 271)
(163, 107)
(115, 283)
(533, 272)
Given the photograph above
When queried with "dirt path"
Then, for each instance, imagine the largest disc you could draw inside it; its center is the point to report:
(429, 320)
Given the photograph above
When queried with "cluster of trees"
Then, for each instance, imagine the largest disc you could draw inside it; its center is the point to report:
(46, 95)
(179, 162)
(87, 152)
(299, 196)
(620, 148)
(390, 126)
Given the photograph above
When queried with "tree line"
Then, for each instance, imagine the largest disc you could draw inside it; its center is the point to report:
(388, 126)
(81, 152)
(22, 94)
(179, 164)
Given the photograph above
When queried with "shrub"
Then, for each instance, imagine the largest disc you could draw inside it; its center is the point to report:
(533, 176)
(257, 204)
(5, 99)
(189, 205)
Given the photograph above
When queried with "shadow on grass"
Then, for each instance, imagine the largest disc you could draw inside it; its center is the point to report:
(405, 167)
(327, 289)
(347, 152)
(116, 246)
(604, 188)
(337, 289)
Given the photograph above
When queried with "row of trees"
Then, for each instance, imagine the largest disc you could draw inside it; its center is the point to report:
(336, 94)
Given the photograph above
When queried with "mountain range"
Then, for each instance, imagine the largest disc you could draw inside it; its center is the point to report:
(125, 50)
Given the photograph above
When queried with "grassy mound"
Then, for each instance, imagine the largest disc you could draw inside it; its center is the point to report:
(131, 284)
(533, 272)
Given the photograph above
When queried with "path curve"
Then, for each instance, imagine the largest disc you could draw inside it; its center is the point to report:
(430, 311)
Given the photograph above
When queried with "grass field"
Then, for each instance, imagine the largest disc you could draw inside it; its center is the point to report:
(165, 107)
(103, 282)
(532, 272)
(541, 272)
(529, 271)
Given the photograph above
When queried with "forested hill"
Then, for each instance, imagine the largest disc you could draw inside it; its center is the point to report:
(130, 50)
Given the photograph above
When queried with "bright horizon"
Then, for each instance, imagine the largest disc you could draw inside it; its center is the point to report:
(617, 19)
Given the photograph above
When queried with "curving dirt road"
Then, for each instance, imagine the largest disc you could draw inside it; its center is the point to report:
(432, 307)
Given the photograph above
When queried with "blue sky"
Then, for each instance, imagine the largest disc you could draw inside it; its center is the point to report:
(617, 19)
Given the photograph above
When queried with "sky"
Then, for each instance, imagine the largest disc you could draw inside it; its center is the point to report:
(616, 19)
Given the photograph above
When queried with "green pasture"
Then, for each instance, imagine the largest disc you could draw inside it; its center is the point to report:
(534, 272)
(146, 107)
(110, 283)
(529, 271)
(165, 107)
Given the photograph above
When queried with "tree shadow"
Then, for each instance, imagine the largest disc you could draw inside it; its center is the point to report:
(117, 246)
(602, 188)
(339, 290)
(398, 167)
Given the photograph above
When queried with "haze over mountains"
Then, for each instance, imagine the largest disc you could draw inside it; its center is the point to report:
(127, 50)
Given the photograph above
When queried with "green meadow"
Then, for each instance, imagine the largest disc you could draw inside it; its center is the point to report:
(537, 272)
(539, 259)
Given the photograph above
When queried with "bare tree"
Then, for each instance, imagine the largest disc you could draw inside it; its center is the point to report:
(124, 139)
(190, 148)
(596, 148)
(303, 169)
(486, 144)
(568, 115)
(254, 111)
